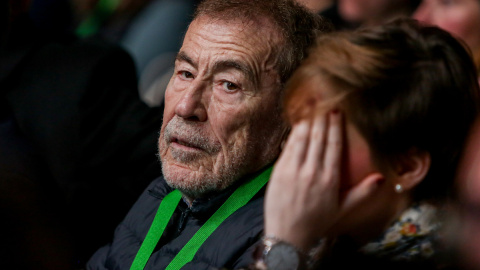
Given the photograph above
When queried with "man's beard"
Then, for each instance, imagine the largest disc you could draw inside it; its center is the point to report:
(205, 177)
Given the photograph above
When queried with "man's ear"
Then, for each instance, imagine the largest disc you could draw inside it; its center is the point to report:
(412, 169)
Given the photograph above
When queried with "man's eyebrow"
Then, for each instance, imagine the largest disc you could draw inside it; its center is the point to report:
(182, 56)
(221, 65)
(227, 64)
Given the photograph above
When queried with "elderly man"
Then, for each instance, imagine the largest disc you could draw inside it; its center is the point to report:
(222, 130)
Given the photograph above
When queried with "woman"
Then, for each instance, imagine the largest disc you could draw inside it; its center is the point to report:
(460, 17)
(379, 116)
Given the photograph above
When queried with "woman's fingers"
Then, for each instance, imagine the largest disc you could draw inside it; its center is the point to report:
(361, 191)
(296, 147)
(302, 200)
(333, 147)
(316, 146)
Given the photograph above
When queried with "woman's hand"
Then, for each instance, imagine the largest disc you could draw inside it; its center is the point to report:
(303, 197)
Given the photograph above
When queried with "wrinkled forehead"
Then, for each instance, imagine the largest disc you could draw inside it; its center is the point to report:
(249, 31)
(259, 36)
(253, 45)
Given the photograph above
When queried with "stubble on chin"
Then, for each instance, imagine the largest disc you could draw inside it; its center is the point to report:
(202, 173)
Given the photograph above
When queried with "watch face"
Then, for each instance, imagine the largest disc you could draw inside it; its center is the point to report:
(282, 257)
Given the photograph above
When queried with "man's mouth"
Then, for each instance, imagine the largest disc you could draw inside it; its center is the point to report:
(184, 143)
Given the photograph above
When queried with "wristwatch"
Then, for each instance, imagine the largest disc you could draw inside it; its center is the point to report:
(275, 254)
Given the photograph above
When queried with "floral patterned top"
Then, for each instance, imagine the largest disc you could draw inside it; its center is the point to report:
(412, 236)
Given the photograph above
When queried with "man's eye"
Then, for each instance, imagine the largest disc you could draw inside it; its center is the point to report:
(186, 75)
(230, 86)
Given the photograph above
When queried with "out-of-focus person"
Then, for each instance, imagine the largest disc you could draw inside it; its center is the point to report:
(351, 14)
(468, 231)
(373, 12)
(459, 17)
(372, 157)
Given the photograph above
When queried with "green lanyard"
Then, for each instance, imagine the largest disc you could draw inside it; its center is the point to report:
(241, 196)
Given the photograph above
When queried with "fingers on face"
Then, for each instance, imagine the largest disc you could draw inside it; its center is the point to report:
(326, 143)
(315, 146)
(323, 158)
(317, 140)
(297, 143)
(362, 191)
(333, 145)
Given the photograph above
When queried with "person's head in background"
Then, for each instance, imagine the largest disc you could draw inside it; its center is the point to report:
(468, 190)
(459, 17)
(409, 96)
(374, 12)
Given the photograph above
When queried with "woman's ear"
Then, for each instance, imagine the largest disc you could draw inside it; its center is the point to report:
(412, 170)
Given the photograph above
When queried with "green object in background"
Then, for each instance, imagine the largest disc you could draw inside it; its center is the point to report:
(92, 23)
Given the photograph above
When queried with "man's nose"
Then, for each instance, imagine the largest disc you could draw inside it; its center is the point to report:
(192, 105)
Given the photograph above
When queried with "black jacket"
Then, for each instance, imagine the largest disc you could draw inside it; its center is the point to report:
(230, 245)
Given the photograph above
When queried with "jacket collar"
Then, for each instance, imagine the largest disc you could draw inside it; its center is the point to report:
(206, 206)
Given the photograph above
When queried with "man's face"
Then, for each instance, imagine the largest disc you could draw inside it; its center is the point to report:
(222, 116)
